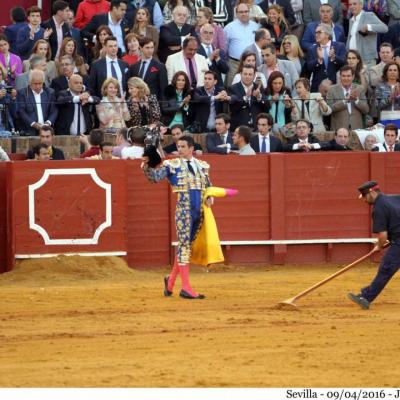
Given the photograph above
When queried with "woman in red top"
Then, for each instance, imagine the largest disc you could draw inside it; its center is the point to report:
(132, 54)
(87, 9)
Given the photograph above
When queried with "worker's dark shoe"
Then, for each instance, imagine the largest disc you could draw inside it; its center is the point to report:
(167, 292)
(357, 298)
(184, 294)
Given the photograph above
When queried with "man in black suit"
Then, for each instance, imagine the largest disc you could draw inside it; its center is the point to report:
(151, 71)
(216, 57)
(74, 105)
(264, 142)
(108, 67)
(304, 141)
(340, 142)
(115, 20)
(286, 6)
(67, 69)
(46, 136)
(246, 100)
(36, 104)
(208, 102)
(58, 23)
(221, 141)
(172, 34)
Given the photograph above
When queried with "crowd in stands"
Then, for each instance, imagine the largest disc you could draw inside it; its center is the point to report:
(253, 76)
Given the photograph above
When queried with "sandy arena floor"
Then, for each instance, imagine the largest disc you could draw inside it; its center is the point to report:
(81, 322)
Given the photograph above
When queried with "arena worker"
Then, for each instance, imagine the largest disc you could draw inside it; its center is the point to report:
(386, 223)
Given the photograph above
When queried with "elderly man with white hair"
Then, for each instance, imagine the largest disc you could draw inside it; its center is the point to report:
(36, 104)
(173, 34)
(363, 32)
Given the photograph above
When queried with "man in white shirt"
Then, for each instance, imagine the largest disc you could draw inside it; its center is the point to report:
(363, 30)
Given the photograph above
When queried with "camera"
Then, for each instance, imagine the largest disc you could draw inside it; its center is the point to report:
(9, 89)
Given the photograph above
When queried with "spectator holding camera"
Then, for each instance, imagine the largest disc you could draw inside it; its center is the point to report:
(8, 96)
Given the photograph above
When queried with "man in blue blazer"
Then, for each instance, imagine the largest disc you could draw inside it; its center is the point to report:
(36, 105)
(325, 58)
(108, 67)
(326, 15)
(221, 141)
(264, 142)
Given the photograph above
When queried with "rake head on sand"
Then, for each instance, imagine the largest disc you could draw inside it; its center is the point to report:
(289, 304)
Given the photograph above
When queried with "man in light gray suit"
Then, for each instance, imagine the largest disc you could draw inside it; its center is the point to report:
(262, 38)
(311, 11)
(35, 62)
(272, 63)
(363, 29)
(347, 101)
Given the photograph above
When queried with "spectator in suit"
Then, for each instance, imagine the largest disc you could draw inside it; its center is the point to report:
(155, 16)
(143, 106)
(309, 106)
(363, 32)
(263, 141)
(107, 67)
(87, 9)
(149, 69)
(28, 35)
(174, 33)
(272, 63)
(387, 95)
(290, 50)
(42, 48)
(58, 26)
(286, 7)
(339, 143)
(324, 58)
(205, 17)
(277, 25)
(393, 10)
(10, 64)
(74, 109)
(246, 99)
(390, 135)
(41, 152)
(46, 136)
(241, 139)
(177, 131)
(176, 101)
(325, 17)
(221, 141)
(35, 62)
(67, 68)
(112, 111)
(303, 141)
(18, 19)
(348, 102)
(36, 104)
(215, 56)
(188, 61)
(208, 102)
(143, 28)
(170, 6)
(69, 48)
(239, 34)
(75, 33)
(262, 38)
(249, 59)
(114, 20)
(392, 36)
(278, 101)
(311, 11)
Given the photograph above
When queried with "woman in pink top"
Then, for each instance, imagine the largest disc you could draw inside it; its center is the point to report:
(10, 64)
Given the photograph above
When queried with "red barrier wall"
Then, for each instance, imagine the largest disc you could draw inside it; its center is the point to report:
(281, 197)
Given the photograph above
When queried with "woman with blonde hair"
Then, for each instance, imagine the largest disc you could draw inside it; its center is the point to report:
(142, 27)
(112, 111)
(291, 50)
(276, 25)
(143, 106)
(69, 48)
(42, 48)
(205, 16)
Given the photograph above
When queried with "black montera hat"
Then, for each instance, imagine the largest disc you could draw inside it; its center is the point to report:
(367, 187)
(154, 157)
